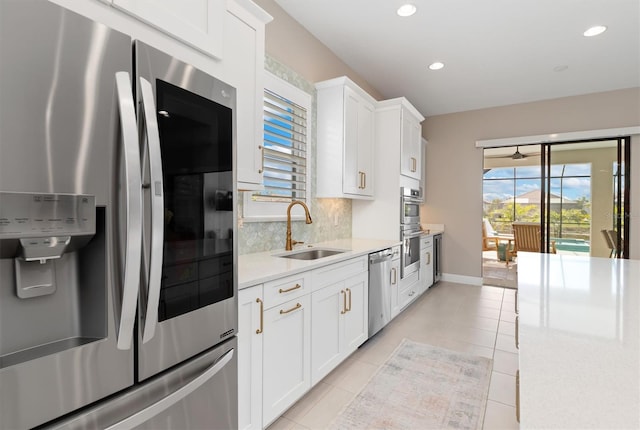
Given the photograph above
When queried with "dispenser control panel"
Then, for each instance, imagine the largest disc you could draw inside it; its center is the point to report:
(24, 215)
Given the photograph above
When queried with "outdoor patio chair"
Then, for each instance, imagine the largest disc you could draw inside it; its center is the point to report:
(615, 249)
(527, 238)
(489, 236)
(610, 243)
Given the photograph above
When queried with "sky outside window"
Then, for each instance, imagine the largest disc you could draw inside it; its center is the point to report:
(499, 183)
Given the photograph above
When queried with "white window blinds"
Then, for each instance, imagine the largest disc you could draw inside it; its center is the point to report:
(284, 150)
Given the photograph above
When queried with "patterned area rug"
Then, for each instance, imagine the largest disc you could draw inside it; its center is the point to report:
(421, 387)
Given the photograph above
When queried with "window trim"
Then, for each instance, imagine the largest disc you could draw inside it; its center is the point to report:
(261, 211)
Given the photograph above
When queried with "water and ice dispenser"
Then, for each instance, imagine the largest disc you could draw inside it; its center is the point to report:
(36, 229)
(52, 274)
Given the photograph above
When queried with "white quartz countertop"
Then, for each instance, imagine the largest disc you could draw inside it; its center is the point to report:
(431, 232)
(579, 334)
(265, 266)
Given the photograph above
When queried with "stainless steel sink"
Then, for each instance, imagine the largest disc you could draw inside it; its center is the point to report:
(312, 254)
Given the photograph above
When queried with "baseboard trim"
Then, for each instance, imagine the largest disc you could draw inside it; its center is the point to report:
(460, 279)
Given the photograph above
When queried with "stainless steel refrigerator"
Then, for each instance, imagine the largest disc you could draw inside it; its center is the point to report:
(118, 274)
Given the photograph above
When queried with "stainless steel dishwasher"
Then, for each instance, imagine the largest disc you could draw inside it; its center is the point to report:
(379, 289)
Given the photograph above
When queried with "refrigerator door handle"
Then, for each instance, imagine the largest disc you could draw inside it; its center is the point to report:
(157, 210)
(133, 182)
(173, 398)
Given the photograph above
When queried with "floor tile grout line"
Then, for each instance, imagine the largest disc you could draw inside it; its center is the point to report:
(493, 355)
(415, 311)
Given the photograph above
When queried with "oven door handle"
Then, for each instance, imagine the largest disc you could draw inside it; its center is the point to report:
(412, 200)
(133, 210)
(155, 184)
(173, 398)
(411, 235)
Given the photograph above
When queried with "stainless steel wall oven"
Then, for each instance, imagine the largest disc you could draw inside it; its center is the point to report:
(410, 261)
(410, 200)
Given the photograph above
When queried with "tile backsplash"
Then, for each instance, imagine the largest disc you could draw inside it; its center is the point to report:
(331, 217)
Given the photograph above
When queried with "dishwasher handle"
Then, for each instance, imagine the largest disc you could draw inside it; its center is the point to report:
(380, 257)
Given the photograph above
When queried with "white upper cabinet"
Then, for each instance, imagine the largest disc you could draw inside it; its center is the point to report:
(198, 23)
(423, 180)
(409, 133)
(244, 66)
(346, 132)
(411, 146)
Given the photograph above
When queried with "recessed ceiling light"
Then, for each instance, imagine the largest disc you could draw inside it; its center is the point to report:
(407, 9)
(436, 66)
(594, 31)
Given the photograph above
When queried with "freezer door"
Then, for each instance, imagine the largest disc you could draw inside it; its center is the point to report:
(60, 128)
(199, 394)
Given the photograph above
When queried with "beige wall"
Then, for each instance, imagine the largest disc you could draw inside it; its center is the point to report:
(454, 164)
(291, 44)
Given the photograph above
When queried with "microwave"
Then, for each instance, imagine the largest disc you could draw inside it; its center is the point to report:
(410, 201)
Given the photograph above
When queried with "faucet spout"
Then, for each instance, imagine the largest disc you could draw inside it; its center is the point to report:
(308, 220)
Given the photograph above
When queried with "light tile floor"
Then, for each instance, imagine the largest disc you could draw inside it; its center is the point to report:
(464, 318)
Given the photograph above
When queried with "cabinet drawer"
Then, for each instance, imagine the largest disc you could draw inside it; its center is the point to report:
(409, 281)
(408, 295)
(283, 289)
(426, 241)
(338, 272)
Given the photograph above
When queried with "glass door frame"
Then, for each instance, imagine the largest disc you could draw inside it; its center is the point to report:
(622, 201)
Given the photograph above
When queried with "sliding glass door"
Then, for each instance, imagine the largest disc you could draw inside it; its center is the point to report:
(586, 196)
(577, 192)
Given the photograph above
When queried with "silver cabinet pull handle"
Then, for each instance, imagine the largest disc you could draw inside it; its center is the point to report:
(344, 302)
(349, 292)
(173, 398)
(394, 276)
(157, 209)
(133, 217)
(297, 306)
(517, 335)
(292, 288)
(258, 331)
(428, 258)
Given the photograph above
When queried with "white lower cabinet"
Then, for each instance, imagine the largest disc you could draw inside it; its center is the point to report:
(288, 326)
(426, 262)
(250, 329)
(286, 362)
(395, 287)
(409, 291)
(339, 323)
(327, 329)
(356, 320)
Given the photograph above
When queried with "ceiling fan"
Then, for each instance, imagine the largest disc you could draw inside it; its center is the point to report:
(517, 155)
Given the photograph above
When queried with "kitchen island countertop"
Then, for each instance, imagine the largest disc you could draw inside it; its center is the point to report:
(266, 266)
(579, 335)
